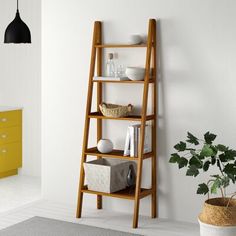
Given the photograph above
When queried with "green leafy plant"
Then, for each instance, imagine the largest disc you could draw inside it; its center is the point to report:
(198, 155)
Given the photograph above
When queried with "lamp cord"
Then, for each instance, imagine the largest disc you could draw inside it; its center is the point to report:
(17, 5)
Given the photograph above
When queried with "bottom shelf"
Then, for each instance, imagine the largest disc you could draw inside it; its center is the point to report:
(125, 194)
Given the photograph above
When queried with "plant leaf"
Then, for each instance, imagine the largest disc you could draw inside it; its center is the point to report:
(222, 148)
(232, 177)
(225, 181)
(193, 152)
(209, 138)
(215, 186)
(207, 151)
(192, 171)
(223, 157)
(174, 158)
(214, 149)
(181, 146)
(230, 169)
(230, 154)
(192, 139)
(182, 162)
(196, 162)
(213, 160)
(202, 189)
(215, 176)
(206, 165)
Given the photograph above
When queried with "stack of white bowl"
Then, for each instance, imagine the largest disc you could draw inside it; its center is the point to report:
(135, 73)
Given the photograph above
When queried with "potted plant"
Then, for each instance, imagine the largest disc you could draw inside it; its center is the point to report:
(218, 216)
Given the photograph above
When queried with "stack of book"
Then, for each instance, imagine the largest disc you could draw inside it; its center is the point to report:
(133, 138)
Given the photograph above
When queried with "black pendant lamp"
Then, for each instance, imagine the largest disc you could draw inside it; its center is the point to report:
(17, 31)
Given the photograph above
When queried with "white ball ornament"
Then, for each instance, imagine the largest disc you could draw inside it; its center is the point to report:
(105, 146)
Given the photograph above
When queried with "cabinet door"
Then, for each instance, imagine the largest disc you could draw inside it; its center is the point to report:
(10, 118)
(10, 135)
(10, 156)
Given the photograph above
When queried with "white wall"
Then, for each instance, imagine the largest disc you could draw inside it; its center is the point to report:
(20, 78)
(197, 81)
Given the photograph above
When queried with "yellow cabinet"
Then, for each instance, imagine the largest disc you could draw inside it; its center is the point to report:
(10, 118)
(10, 142)
(10, 135)
(10, 156)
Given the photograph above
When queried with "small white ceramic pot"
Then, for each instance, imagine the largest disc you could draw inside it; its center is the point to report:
(212, 230)
(105, 146)
(135, 39)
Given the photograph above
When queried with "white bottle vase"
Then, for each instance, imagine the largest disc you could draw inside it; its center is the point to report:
(105, 146)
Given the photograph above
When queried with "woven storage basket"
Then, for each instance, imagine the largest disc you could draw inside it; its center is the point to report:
(107, 175)
(216, 213)
(115, 111)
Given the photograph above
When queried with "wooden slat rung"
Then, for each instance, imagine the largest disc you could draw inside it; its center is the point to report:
(121, 45)
(115, 154)
(98, 115)
(122, 82)
(124, 194)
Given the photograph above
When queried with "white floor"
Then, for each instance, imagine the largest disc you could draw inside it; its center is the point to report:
(17, 190)
(12, 211)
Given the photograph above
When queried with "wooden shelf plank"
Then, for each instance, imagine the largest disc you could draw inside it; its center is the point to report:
(98, 115)
(124, 194)
(115, 154)
(122, 82)
(121, 45)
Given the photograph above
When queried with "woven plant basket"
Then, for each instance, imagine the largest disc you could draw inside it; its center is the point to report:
(216, 212)
(115, 111)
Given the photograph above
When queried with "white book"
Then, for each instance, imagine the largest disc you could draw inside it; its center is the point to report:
(135, 140)
(131, 132)
(147, 139)
(127, 144)
(111, 78)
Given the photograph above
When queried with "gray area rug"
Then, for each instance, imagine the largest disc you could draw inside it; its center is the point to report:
(38, 226)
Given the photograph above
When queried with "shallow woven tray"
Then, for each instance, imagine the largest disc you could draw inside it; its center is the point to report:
(114, 110)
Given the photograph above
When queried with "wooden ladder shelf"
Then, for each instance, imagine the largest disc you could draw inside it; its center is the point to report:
(150, 80)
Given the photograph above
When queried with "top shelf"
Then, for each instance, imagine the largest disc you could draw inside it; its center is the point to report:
(121, 45)
(123, 81)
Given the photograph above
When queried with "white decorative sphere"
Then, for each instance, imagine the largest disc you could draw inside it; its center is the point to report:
(105, 146)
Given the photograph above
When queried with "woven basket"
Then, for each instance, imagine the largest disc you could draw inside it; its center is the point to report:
(215, 212)
(107, 175)
(115, 111)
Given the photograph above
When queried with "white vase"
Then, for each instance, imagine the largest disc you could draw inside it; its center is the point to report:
(212, 230)
(135, 39)
(105, 146)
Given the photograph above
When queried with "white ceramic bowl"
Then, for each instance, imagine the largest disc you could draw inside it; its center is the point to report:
(135, 73)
